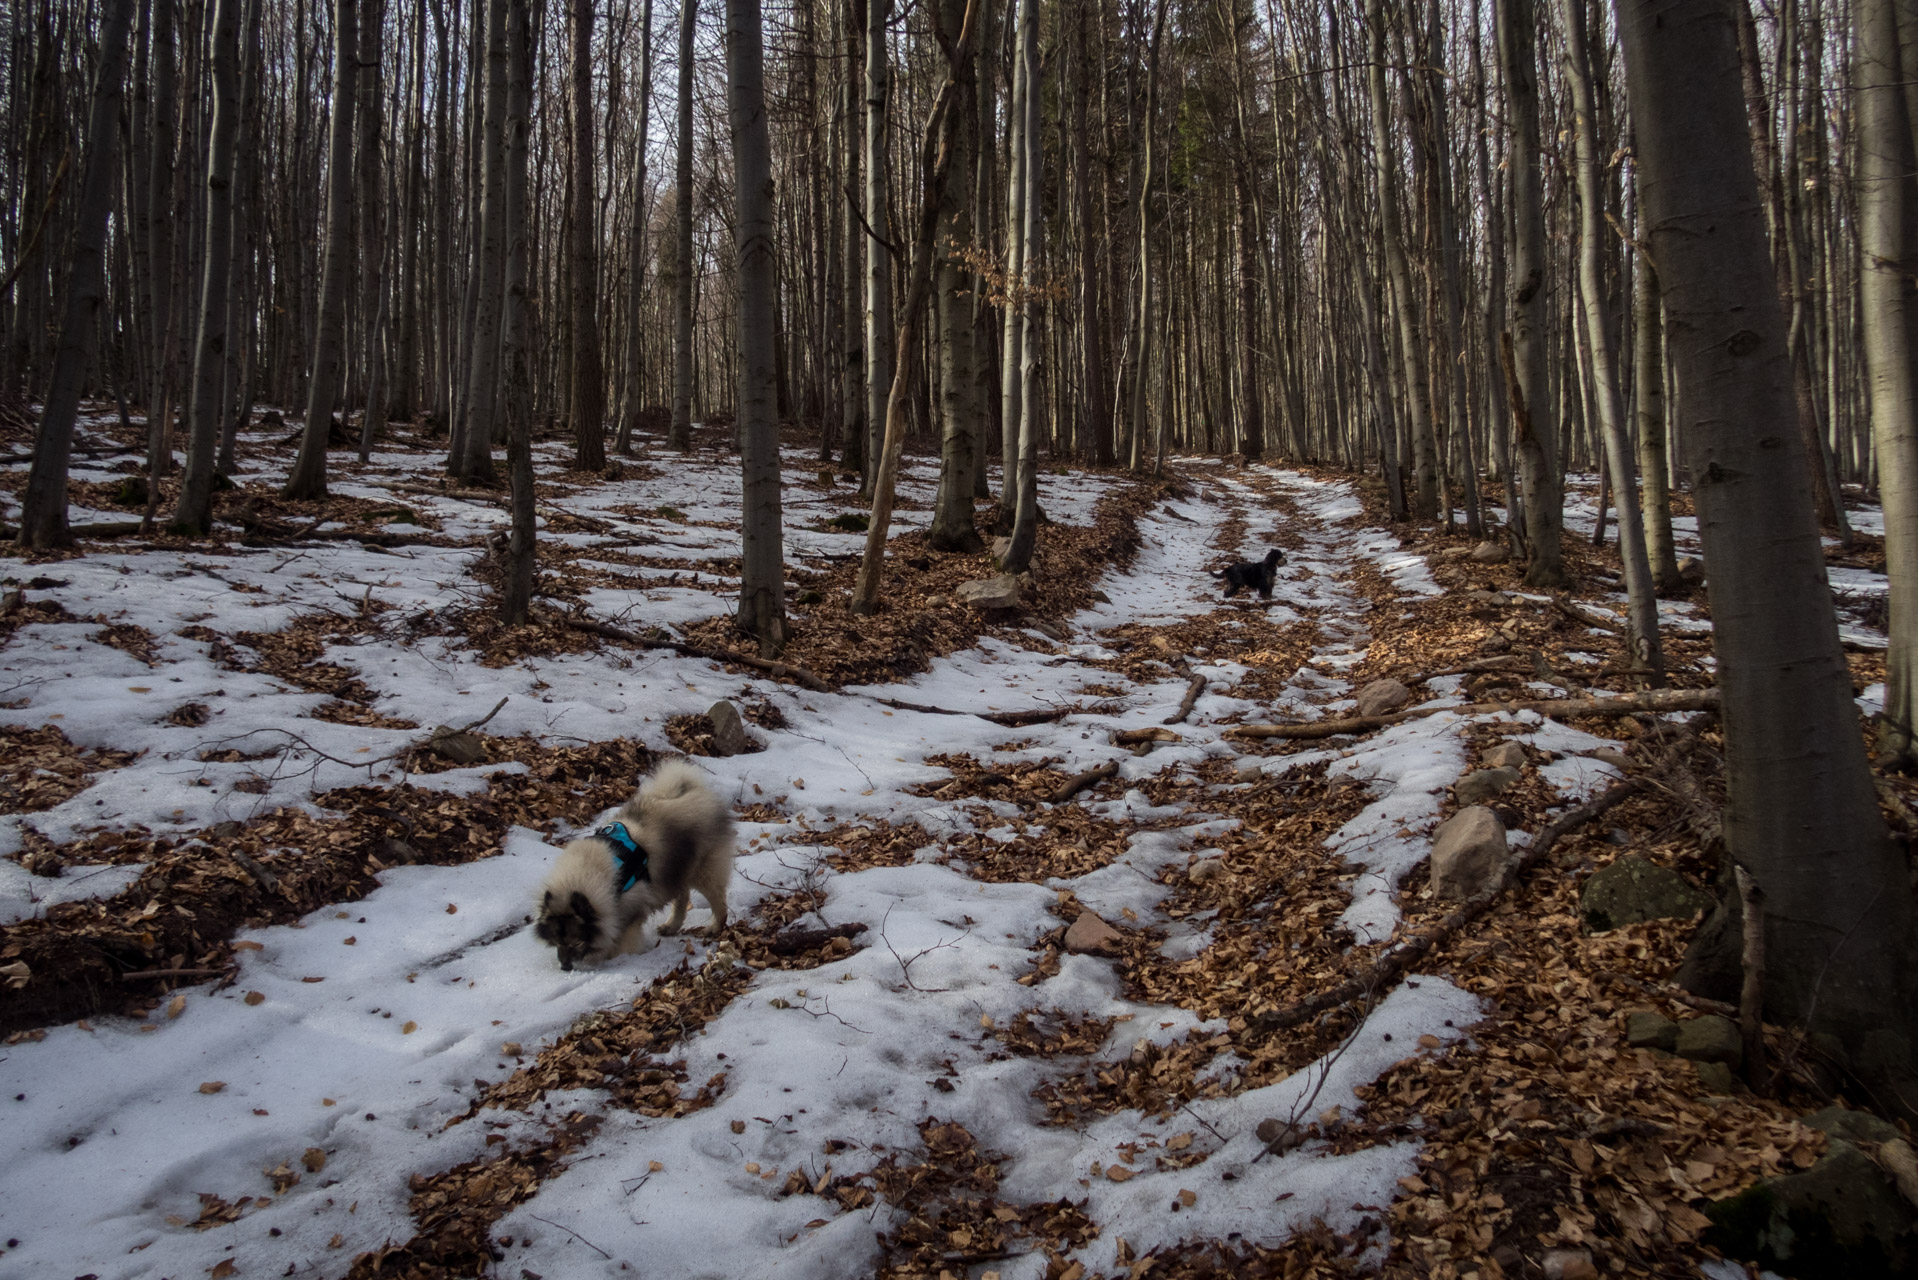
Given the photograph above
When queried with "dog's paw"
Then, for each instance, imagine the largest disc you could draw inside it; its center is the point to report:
(668, 930)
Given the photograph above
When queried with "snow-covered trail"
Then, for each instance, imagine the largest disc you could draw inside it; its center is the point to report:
(352, 1039)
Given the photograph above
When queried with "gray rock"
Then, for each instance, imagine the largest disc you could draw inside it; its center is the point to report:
(1452, 553)
(1841, 1219)
(1612, 756)
(1710, 1039)
(1490, 553)
(1633, 890)
(1000, 546)
(1477, 788)
(1382, 697)
(1715, 1078)
(729, 731)
(1852, 1126)
(1506, 755)
(1649, 1029)
(1568, 1264)
(1250, 769)
(1101, 596)
(1691, 570)
(1000, 591)
(1468, 852)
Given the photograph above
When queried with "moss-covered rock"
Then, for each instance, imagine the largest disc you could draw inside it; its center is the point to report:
(1633, 890)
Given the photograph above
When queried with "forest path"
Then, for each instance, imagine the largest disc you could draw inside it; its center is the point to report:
(455, 1096)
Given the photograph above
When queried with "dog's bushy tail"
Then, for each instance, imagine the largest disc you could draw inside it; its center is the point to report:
(674, 780)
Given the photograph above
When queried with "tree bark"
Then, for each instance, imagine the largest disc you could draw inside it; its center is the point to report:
(193, 514)
(588, 398)
(636, 240)
(961, 424)
(879, 317)
(43, 513)
(1025, 513)
(308, 479)
(762, 610)
(681, 432)
(1536, 427)
(473, 461)
(1802, 814)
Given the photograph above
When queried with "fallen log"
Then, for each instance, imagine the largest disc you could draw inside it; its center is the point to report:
(87, 529)
(1654, 701)
(1192, 692)
(798, 940)
(1011, 719)
(1401, 955)
(778, 670)
(1074, 785)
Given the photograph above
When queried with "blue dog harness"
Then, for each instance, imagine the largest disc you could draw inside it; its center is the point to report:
(632, 860)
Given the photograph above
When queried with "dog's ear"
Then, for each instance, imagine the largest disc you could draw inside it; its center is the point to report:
(546, 903)
(583, 907)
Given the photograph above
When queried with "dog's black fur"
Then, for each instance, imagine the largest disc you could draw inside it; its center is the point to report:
(1249, 574)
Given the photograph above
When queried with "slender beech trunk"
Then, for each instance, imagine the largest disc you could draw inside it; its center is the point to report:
(373, 217)
(1535, 419)
(473, 462)
(852, 373)
(942, 129)
(879, 319)
(43, 514)
(588, 398)
(1888, 216)
(681, 437)
(1096, 412)
(1425, 501)
(961, 426)
(162, 125)
(329, 339)
(1802, 814)
(1648, 375)
(194, 513)
(636, 241)
(762, 608)
(1025, 515)
(1139, 353)
(1641, 603)
(516, 586)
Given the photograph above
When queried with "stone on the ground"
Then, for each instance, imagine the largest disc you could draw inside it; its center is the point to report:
(1710, 1039)
(1468, 852)
(1715, 1078)
(729, 731)
(1001, 591)
(1089, 935)
(1691, 570)
(1101, 596)
(1649, 1029)
(1506, 755)
(1853, 1126)
(1250, 769)
(1838, 1220)
(1632, 890)
(1205, 869)
(1568, 1264)
(1000, 546)
(1382, 697)
(1482, 785)
(1453, 553)
(1490, 553)
(1611, 756)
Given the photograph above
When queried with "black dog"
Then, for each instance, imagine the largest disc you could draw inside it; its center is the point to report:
(1260, 575)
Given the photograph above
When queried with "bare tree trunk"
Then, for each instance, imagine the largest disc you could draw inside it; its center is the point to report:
(43, 513)
(193, 515)
(521, 568)
(1642, 605)
(1648, 373)
(162, 124)
(1139, 353)
(589, 378)
(1535, 420)
(879, 320)
(762, 609)
(373, 224)
(1888, 217)
(962, 425)
(1025, 514)
(636, 239)
(1802, 814)
(1425, 501)
(681, 437)
(942, 128)
(329, 341)
(473, 461)
(852, 386)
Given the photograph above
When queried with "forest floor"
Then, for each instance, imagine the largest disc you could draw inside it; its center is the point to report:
(273, 1005)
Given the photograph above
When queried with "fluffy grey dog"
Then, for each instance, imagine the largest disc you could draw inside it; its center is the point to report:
(672, 837)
